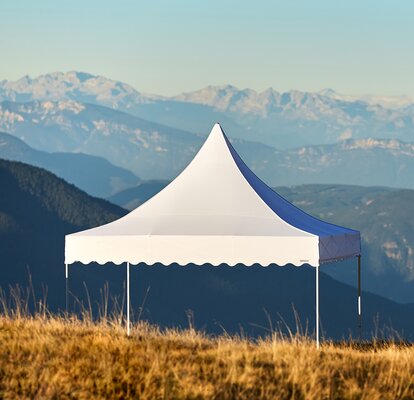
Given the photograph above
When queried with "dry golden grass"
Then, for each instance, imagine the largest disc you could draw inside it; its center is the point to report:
(56, 358)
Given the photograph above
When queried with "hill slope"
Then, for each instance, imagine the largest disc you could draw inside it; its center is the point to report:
(134, 197)
(93, 174)
(36, 210)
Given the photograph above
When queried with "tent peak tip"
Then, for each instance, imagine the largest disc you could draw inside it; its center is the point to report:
(217, 130)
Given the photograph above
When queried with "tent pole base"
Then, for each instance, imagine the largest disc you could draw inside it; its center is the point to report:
(359, 299)
(128, 301)
(67, 288)
(317, 307)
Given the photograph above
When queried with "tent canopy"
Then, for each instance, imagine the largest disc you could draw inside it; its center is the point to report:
(216, 211)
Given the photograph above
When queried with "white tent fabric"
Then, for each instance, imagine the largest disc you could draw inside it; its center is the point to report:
(217, 212)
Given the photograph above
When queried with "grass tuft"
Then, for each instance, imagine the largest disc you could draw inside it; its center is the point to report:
(73, 356)
(45, 356)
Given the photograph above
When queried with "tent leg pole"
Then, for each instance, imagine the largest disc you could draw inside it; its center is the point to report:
(67, 287)
(359, 299)
(128, 319)
(317, 307)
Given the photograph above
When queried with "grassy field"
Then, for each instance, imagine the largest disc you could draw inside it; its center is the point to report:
(56, 358)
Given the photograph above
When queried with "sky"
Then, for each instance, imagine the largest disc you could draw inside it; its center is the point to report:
(168, 47)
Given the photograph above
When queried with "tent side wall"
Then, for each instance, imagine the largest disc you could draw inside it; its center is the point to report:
(340, 247)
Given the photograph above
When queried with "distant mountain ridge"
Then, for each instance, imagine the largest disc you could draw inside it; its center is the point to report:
(296, 118)
(231, 98)
(72, 85)
(368, 162)
(90, 88)
(283, 120)
(94, 175)
(148, 149)
(134, 197)
(384, 101)
(154, 151)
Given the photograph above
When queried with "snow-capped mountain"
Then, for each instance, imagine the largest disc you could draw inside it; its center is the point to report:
(384, 101)
(293, 118)
(73, 85)
(247, 101)
(282, 120)
(307, 104)
(230, 98)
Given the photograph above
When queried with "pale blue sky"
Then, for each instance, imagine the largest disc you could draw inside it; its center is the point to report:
(167, 47)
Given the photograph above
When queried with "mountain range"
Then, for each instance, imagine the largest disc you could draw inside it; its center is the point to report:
(73, 85)
(283, 120)
(154, 151)
(40, 209)
(146, 148)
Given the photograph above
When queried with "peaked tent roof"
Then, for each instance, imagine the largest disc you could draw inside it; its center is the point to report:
(216, 211)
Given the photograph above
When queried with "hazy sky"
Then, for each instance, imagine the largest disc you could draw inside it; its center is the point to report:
(167, 47)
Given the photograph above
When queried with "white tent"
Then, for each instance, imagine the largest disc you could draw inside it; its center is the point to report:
(217, 211)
